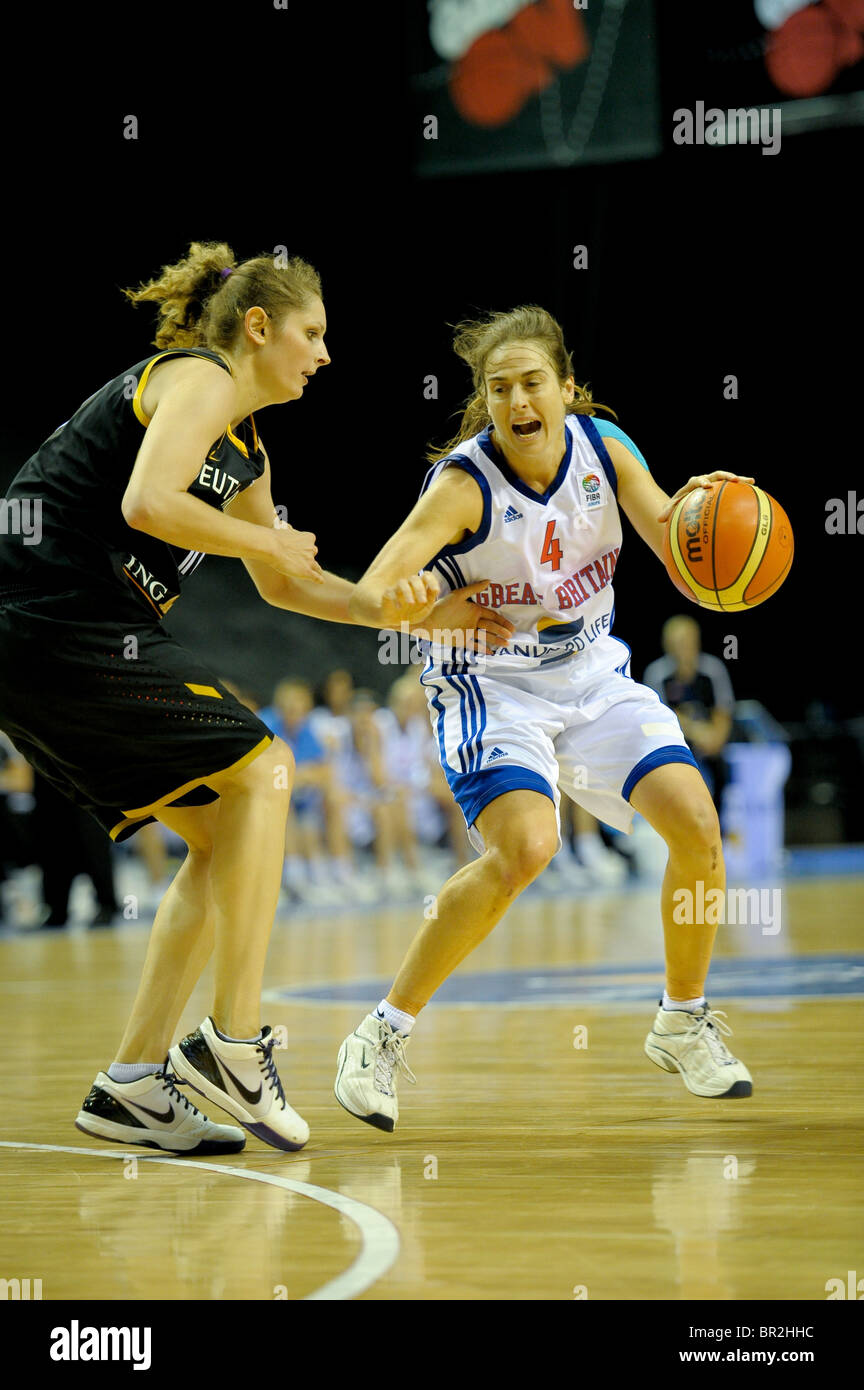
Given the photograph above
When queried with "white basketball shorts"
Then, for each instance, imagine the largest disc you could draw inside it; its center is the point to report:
(581, 725)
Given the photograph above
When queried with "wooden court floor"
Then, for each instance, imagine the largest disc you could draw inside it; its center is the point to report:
(541, 1156)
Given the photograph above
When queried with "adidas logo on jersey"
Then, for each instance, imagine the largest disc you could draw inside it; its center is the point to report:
(511, 514)
(495, 755)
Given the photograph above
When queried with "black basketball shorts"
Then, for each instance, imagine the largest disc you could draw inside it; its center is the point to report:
(118, 715)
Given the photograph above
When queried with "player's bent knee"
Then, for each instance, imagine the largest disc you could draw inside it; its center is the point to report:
(696, 826)
(524, 858)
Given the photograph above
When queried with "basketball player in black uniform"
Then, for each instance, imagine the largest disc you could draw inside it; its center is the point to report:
(103, 525)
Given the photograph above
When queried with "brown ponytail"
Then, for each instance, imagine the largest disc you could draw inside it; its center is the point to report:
(199, 306)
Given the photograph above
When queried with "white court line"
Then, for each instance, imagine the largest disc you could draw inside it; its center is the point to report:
(380, 1238)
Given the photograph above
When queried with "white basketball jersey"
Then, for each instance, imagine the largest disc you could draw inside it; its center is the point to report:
(549, 557)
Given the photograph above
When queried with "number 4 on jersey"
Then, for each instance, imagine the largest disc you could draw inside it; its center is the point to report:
(551, 552)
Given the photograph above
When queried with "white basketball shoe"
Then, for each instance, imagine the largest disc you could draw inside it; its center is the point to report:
(152, 1112)
(241, 1077)
(691, 1044)
(370, 1059)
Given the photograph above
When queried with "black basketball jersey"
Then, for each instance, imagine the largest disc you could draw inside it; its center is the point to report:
(65, 534)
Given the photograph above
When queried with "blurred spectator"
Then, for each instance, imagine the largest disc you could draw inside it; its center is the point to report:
(410, 761)
(151, 844)
(247, 697)
(17, 846)
(697, 687)
(371, 798)
(315, 808)
(330, 720)
(586, 859)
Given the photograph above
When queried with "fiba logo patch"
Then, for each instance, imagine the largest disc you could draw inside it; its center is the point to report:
(593, 491)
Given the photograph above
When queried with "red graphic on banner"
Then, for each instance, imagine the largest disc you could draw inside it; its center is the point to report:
(505, 67)
(812, 46)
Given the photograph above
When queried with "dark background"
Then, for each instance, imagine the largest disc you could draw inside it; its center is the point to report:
(296, 128)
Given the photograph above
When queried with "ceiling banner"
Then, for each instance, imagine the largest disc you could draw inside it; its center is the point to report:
(501, 84)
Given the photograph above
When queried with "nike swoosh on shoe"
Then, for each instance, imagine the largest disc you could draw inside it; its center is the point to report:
(253, 1097)
(166, 1116)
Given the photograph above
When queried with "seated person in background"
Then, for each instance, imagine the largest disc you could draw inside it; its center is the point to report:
(308, 876)
(371, 797)
(697, 687)
(17, 847)
(330, 720)
(408, 750)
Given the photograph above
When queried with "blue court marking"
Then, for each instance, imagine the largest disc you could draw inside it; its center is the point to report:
(808, 861)
(756, 977)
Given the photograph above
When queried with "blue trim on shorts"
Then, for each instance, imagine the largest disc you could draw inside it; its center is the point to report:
(436, 704)
(472, 713)
(475, 790)
(478, 745)
(622, 669)
(670, 753)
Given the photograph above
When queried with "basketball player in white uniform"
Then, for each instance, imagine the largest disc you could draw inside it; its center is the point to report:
(527, 499)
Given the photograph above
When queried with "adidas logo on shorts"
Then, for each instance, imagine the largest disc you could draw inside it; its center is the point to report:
(495, 755)
(511, 514)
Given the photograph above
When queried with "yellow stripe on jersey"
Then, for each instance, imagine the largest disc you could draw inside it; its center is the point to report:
(136, 399)
(203, 690)
(139, 812)
(160, 357)
(237, 442)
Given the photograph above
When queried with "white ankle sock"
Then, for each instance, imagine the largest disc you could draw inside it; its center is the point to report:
(225, 1037)
(395, 1017)
(131, 1071)
(691, 1005)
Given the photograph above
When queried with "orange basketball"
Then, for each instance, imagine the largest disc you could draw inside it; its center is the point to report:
(728, 546)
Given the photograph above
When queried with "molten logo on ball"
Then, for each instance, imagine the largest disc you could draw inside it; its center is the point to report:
(692, 520)
(728, 546)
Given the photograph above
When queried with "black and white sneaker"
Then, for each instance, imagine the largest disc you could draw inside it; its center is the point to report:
(241, 1077)
(151, 1111)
